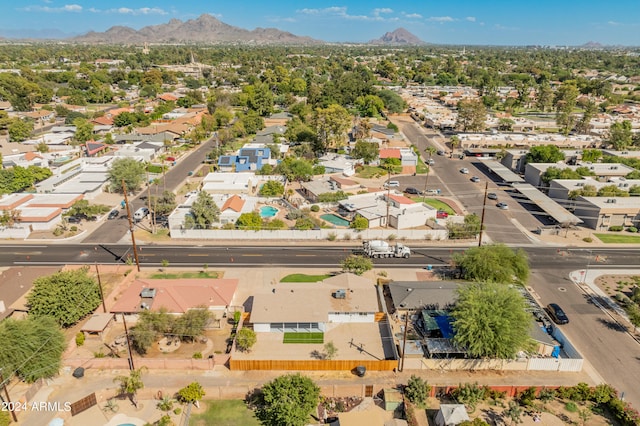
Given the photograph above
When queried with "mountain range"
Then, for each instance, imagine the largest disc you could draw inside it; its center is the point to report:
(208, 29)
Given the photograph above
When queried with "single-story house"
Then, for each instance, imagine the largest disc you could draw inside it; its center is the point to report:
(451, 415)
(304, 307)
(247, 159)
(408, 158)
(403, 212)
(177, 296)
(413, 295)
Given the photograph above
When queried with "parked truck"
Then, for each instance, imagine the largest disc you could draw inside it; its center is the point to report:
(379, 248)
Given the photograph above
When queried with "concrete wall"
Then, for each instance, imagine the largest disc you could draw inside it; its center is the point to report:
(315, 234)
(573, 364)
(351, 317)
(17, 233)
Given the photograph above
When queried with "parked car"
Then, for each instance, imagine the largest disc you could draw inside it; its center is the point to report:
(492, 196)
(475, 179)
(433, 191)
(502, 206)
(441, 214)
(392, 184)
(74, 219)
(440, 152)
(464, 171)
(431, 162)
(557, 314)
(113, 214)
(141, 213)
(412, 191)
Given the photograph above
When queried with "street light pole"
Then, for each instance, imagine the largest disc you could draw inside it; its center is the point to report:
(586, 271)
(484, 204)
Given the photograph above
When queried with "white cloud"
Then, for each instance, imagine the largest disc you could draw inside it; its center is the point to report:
(379, 11)
(47, 9)
(341, 12)
(614, 23)
(129, 11)
(412, 15)
(505, 28)
(441, 19)
(470, 18)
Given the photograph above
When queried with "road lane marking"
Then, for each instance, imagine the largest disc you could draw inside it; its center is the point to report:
(197, 255)
(306, 255)
(251, 255)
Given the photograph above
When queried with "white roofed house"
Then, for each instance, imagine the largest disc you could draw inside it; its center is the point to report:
(403, 212)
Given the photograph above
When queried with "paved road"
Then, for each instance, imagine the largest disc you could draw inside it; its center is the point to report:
(112, 231)
(291, 254)
(609, 349)
(499, 224)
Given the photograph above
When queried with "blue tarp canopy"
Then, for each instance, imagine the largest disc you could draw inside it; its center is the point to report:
(444, 323)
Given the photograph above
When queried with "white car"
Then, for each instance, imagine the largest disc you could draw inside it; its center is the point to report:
(502, 206)
(464, 171)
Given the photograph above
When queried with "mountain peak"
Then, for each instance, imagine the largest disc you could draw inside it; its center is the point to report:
(399, 36)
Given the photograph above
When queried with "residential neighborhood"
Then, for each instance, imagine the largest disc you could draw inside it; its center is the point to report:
(300, 234)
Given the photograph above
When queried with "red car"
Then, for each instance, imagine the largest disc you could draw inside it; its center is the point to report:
(442, 214)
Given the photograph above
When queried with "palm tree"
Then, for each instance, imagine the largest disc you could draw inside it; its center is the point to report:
(455, 141)
(131, 384)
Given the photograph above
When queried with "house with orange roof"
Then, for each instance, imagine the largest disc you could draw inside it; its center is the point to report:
(408, 158)
(178, 296)
(167, 97)
(103, 120)
(25, 159)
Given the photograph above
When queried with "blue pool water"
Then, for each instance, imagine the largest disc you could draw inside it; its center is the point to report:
(336, 220)
(268, 211)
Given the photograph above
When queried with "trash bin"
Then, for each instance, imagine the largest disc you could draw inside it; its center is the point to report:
(429, 267)
(78, 373)
(361, 370)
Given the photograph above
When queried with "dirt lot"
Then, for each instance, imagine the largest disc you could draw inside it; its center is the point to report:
(612, 284)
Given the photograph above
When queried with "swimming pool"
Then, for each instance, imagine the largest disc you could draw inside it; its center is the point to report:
(268, 211)
(336, 220)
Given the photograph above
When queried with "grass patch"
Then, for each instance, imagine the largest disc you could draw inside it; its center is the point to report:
(421, 167)
(437, 204)
(224, 413)
(173, 275)
(303, 278)
(369, 172)
(303, 338)
(619, 239)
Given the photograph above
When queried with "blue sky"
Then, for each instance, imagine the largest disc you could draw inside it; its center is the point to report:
(467, 22)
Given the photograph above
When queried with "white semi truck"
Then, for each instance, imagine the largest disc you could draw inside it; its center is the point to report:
(379, 248)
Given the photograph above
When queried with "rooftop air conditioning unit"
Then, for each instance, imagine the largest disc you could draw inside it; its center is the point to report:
(144, 306)
(614, 201)
(340, 294)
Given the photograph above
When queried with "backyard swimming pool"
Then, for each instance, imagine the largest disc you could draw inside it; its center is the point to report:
(336, 220)
(268, 211)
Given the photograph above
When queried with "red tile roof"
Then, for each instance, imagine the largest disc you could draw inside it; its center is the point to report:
(401, 199)
(389, 153)
(178, 295)
(234, 203)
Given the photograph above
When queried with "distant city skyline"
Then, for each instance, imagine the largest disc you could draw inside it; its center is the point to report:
(462, 22)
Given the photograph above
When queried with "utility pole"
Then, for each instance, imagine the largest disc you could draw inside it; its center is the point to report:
(388, 193)
(6, 392)
(104, 307)
(133, 237)
(586, 271)
(484, 204)
(126, 333)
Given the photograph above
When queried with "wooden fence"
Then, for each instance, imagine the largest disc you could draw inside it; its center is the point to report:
(311, 365)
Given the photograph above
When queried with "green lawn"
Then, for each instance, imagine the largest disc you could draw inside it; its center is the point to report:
(303, 338)
(618, 238)
(173, 276)
(369, 172)
(303, 278)
(225, 413)
(436, 204)
(421, 168)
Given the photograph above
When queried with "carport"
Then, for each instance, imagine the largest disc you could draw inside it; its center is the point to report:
(503, 172)
(550, 207)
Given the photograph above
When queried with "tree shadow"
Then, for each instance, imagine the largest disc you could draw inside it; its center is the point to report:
(612, 325)
(316, 354)
(492, 417)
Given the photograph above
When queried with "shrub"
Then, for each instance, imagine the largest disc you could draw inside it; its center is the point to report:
(615, 228)
(417, 390)
(392, 237)
(332, 236)
(58, 231)
(527, 396)
(315, 208)
(98, 354)
(177, 411)
(79, 338)
(295, 214)
(632, 229)
(587, 239)
(73, 228)
(197, 355)
(571, 407)
(346, 237)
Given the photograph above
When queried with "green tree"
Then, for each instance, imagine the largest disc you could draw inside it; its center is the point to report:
(591, 155)
(20, 130)
(356, 264)
(359, 223)
(490, 320)
(566, 99)
(584, 124)
(392, 101)
(129, 170)
(191, 393)
(469, 394)
(164, 204)
(249, 221)
(272, 188)
(366, 151)
(131, 384)
(544, 100)
(288, 400)
(204, 212)
(417, 390)
(493, 263)
(514, 412)
(612, 191)
(369, 105)
(506, 124)
(245, 339)
(472, 115)
(620, 135)
(544, 154)
(191, 324)
(331, 125)
(66, 296)
(295, 169)
(32, 347)
(84, 130)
